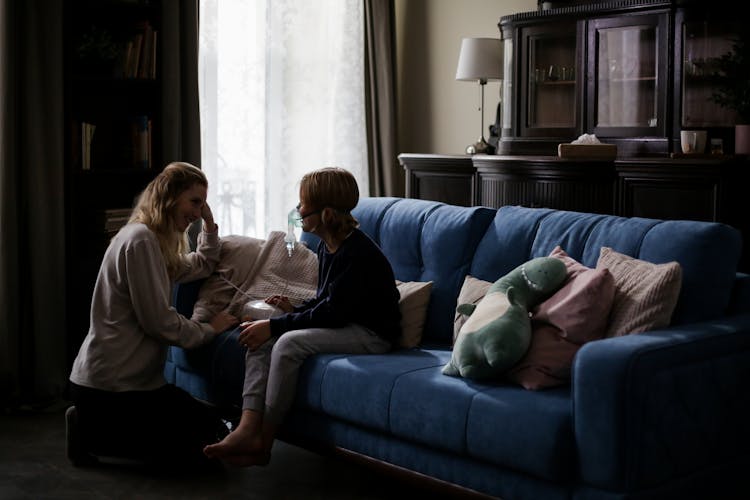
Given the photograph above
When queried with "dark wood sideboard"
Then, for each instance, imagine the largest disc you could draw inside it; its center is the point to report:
(701, 188)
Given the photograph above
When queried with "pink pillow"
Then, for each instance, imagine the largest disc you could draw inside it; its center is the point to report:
(577, 313)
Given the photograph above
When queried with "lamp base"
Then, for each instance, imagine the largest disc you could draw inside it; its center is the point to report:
(479, 147)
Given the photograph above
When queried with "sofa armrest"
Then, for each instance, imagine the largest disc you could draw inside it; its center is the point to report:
(185, 295)
(740, 300)
(661, 405)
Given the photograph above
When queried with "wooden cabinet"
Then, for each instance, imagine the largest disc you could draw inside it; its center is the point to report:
(446, 178)
(688, 188)
(700, 38)
(548, 88)
(626, 84)
(707, 189)
(537, 181)
(113, 115)
(633, 72)
(671, 189)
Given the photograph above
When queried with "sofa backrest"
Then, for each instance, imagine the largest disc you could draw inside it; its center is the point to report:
(427, 241)
(708, 252)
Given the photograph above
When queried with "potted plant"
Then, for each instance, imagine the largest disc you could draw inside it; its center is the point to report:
(731, 79)
(97, 52)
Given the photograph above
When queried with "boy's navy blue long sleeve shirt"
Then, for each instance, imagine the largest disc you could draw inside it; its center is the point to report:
(356, 284)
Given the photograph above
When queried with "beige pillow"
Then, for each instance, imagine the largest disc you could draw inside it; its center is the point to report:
(645, 293)
(472, 291)
(415, 297)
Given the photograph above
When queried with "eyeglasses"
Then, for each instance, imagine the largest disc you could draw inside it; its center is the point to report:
(299, 217)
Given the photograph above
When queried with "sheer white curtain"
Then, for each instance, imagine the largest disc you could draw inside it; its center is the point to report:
(282, 93)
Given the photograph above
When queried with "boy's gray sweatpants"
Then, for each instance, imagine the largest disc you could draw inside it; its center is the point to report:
(271, 370)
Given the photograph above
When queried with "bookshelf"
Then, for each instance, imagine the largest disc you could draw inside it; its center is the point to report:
(113, 147)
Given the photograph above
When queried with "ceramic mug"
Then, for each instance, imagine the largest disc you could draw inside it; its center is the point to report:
(688, 139)
(693, 141)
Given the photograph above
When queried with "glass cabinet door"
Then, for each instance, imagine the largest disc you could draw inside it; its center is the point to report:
(550, 74)
(703, 42)
(629, 76)
(507, 85)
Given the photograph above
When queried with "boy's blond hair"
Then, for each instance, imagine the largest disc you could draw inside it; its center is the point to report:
(335, 188)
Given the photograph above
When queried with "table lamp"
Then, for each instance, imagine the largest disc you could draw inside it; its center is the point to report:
(481, 60)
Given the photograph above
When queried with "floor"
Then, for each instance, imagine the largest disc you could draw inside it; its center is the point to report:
(33, 465)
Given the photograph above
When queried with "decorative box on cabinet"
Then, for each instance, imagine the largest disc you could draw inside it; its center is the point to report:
(583, 185)
(446, 178)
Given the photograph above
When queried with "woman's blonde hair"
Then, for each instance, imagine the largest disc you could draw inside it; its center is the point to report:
(335, 188)
(155, 208)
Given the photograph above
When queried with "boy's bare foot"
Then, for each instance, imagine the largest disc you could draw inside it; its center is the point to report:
(241, 442)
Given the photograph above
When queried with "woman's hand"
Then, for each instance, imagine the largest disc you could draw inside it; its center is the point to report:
(223, 321)
(255, 334)
(280, 301)
(208, 218)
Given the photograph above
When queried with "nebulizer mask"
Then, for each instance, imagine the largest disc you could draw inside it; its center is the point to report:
(293, 220)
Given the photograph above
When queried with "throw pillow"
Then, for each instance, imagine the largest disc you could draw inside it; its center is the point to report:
(498, 331)
(577, 313)
(645, 293)
(415, 297)
(472, 291)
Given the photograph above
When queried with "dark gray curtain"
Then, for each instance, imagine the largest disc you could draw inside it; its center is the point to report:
(33, 367)
(386, 175)
(182, 131)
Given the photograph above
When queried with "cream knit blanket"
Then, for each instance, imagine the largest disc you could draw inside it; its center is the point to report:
(258, 268)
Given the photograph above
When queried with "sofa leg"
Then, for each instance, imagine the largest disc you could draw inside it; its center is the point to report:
(75, 448)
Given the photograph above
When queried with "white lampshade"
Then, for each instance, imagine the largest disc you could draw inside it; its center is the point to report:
(480, 59)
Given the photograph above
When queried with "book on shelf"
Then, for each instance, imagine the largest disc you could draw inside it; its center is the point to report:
(114, 219)
(139, 59)
(144, 64)
(111, 144)
(152, 66)
(87, 137)
(141, 130)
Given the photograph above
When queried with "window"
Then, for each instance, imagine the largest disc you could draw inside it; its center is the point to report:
(282, 93)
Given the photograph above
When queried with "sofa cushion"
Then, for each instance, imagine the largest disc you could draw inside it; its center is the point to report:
(357, 388)
(427, 241)
(518, 234)
(414, 297)
(524, 430)
(645, 293)
(708, 254)
(405, 393)
(502, 424)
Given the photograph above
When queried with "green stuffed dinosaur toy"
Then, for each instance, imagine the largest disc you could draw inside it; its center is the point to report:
(498, 331)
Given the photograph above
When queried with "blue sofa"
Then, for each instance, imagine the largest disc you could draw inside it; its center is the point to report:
(661, 414)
